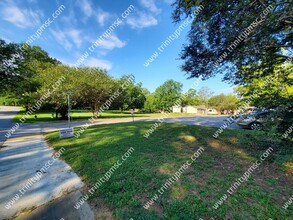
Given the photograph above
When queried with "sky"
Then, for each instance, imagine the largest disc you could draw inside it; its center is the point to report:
(66, 29)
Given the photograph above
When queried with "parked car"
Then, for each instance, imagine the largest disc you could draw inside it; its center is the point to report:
(212, 111)
(254, 121)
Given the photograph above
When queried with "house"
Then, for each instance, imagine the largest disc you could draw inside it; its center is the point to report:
(176, 109)
(201, 109)
(189, 109)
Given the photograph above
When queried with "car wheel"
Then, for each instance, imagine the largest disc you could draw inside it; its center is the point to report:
(256, 126)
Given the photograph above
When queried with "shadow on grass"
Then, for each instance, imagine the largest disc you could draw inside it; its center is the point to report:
(157, 158)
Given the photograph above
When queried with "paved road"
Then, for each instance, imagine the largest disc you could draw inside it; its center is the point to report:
(7, 113)
(213, 121)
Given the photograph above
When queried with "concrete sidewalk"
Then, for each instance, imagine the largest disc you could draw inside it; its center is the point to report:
(7, 114)
(24, 156)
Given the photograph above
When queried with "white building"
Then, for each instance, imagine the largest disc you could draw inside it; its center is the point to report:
(190, 109)
(176, 109)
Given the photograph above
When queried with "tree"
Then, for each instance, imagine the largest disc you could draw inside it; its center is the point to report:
(70, 82)
(33, 59)
(19, 70)
(167, 94)
(92, 87)
(9, 61)
(226, 38)
(135, 96)
(132, 96)
(205, 94)
(192, 98)
(95, 87)
(224, 102)
(149, 104)
(271, 93)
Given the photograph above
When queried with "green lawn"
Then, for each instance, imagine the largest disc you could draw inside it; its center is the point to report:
(7, 100)
(157, 158)
(83, 115)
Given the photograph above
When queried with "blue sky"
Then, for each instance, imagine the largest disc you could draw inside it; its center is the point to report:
(125, 51)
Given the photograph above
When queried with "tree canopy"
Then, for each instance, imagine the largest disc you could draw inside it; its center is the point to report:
(235, 38)
(17, 62)
(167, 94)
(224, 102)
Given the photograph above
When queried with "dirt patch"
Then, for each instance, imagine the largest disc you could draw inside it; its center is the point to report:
(101, 210)
(167, 168)
(178, 192)
(188, 138)
(217, 145)
(156, 206)
(281, 183)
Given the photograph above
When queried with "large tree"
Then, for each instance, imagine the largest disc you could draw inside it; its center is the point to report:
(274, 92)
(133, 96)
(223, 102)
(19, 66)
(192, 98)
(167, 94)
(94, 87)
(149, 104)
(91, 87)
(205, 94)
(9, 61)
(235, 38)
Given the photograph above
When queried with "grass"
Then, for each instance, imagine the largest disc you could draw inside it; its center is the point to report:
(83, 115)
(7, 100)
(157, 158)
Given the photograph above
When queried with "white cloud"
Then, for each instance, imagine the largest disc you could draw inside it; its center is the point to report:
(68, 38)
(142, 20)
(102, 16)
(150, 5)
(62, 39)
(70, 18)
(94, 62)
(22, 18)
(112, 42)
(86, 7)
(75, 36)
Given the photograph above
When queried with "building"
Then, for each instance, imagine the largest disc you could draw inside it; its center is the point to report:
(176, 109)
(189, 109)
(200, 109)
